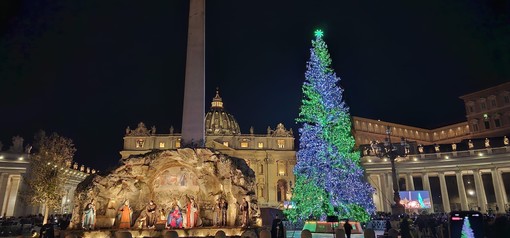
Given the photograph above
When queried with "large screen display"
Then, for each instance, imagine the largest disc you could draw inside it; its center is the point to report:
(415, 199)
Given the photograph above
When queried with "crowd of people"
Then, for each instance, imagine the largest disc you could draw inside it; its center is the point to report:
(438, 225)
(32, 225)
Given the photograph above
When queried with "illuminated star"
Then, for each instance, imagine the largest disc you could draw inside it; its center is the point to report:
(319, 33)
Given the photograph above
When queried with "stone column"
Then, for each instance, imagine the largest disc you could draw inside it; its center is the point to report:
(462, 191)
(3, 191)
(409, 182)
(377, 196)
(390, 189)
(384, 193)
(11, 195)
(481, 198)
(444, 192)
(502, 185)
(426, 187)
(496, 177)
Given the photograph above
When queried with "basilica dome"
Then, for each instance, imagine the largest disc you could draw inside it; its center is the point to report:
(218, 121)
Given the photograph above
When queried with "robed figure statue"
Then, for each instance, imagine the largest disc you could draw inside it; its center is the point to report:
(224, 208)
(245, 213)
(217, 212)
(191, 213)
(174, 219)
(124, 216)
(151, 214)
(89, 216)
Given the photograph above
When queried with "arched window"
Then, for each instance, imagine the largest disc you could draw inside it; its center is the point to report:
(281, 190)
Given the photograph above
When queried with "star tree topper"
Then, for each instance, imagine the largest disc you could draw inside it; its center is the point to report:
(318, 33)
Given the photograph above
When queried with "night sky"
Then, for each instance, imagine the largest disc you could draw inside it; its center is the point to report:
(88, 69)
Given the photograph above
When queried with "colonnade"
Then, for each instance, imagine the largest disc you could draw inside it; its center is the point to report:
(384, 196)
(9, 186)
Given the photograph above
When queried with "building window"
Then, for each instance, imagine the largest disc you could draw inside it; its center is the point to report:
(487, 124)
(261, 145)
(140, 143)
(482, 105)
(493, 103)
(475, 127)
(507, 99)
(244, 144)
(497, 122)
(161, 144)
(178, 144)
(281, 144)
(471, 109)
(225, 143)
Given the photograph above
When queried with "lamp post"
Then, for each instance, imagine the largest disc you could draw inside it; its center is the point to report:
(391, 151)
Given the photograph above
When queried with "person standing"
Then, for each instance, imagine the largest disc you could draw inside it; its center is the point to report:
(347, 228)
(405, 231)
(277, 228)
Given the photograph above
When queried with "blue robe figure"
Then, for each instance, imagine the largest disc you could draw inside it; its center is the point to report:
(174, 219)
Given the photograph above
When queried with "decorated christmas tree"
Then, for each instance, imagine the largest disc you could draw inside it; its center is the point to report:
(467, 232)
(420, 200)
(329, 178)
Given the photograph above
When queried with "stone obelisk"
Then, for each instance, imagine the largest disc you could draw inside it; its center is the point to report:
(193, 128)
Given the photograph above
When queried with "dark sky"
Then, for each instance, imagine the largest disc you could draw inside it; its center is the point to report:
(87, 69)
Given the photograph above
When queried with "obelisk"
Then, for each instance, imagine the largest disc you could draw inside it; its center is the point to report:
(193, 128)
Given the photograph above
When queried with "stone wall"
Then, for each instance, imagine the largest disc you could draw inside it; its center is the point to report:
(170, 177)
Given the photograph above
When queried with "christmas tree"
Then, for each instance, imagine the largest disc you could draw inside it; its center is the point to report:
(329, 177)
(467, 232)
(420, 200)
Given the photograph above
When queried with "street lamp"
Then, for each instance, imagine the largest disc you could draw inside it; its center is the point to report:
(392, 151)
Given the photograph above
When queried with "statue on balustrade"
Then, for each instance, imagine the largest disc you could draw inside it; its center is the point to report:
(89, 216)
(470, 144)
(487, 143)
(505, 141)
(420, 148)
(124, 216)
(454, 147)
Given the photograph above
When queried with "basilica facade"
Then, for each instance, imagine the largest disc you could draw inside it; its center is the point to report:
(271, 156)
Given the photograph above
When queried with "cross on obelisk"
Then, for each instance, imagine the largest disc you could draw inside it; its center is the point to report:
(193, 128)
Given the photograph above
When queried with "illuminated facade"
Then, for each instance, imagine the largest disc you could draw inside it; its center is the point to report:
(271, 156)
(468, 161)
(14, 164)
(488, 111)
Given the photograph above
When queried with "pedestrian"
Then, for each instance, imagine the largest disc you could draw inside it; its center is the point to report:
(347, 228)
(277, 228)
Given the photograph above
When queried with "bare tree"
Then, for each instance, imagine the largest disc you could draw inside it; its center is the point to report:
(46, 178)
